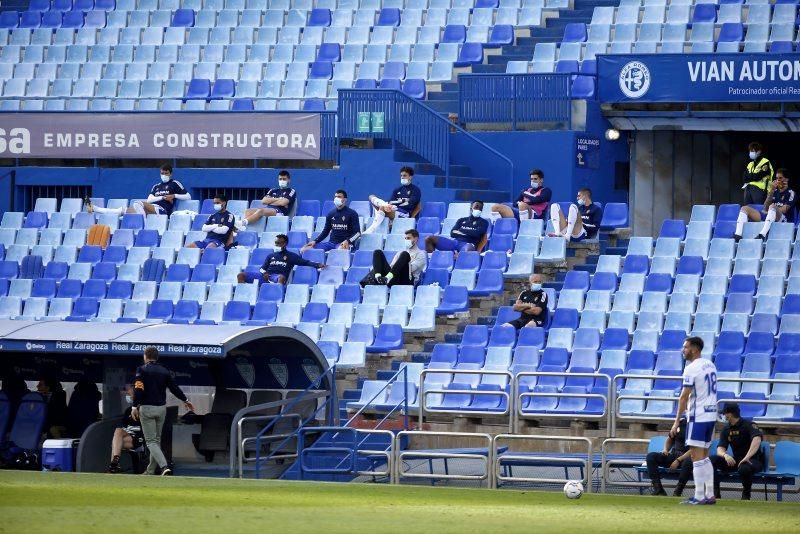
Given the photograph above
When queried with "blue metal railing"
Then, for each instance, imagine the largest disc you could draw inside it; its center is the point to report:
(515, 98)
(411, 124)
(329, 404)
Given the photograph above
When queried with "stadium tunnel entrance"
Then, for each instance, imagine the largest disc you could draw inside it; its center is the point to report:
(676, 163)
(229, 357)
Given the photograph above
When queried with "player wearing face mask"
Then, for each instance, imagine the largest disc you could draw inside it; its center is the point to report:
(405, 269)
(758, 176)
(218, 227)
(278, 265)
(161, 200)
(582, 221)
(532, 202)
(278, 201)
(341, 223)
(466, 235)
(779, 207)
(403, 202)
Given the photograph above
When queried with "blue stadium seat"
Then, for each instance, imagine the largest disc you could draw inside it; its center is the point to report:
(183, 18)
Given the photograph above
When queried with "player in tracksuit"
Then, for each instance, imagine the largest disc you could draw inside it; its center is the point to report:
(582, 221)
(161, 200)
(779, 207)
(342, 224)
(403, 201)
(218, 226)
(466, 234)
(278, 201)
(278, 265)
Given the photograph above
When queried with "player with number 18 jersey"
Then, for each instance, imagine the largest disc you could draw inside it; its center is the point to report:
(701, 376)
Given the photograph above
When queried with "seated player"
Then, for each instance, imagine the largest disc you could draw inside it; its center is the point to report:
(675, 456)
(161, 200)
(406, 268)
(127, 437)
(779, 207)
(466, 234)
(403, 203)
(582, 222)
(342, 224)
(278, 265)
(218, 227)
(278, 201)
(744, 437)
(532, 202)
(532, 305)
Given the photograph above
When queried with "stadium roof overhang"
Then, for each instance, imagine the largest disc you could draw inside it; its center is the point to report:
(639, 121)
(230, 355)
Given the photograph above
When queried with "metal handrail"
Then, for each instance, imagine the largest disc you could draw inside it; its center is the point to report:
(432, 455)
(606, 463)
(586, 463)
(353, 452)
(518, 413)
(410, 123)
(508, 395)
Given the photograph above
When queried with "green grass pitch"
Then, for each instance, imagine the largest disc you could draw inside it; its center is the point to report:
(59, 502)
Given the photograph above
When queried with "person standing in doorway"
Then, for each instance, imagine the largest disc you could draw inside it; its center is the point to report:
(149, 406)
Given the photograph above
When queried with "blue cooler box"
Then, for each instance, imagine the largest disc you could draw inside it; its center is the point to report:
(59, 454)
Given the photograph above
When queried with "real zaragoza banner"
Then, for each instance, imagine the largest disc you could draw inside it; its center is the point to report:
(160, 135)
(699, 78)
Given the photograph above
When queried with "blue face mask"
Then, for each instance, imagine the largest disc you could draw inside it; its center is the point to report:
(536, 287)
(217, 207)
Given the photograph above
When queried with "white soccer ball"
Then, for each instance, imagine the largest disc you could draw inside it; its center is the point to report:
(573, 489)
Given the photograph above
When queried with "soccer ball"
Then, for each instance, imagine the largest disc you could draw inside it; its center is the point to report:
(573, 489)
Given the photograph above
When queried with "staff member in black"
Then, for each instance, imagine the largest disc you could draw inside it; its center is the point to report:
(744, 437)
(532, 305)
(674, 456)
(149, 406)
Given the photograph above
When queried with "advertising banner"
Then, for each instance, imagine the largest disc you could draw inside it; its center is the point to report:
(654, 78)
(160, 135)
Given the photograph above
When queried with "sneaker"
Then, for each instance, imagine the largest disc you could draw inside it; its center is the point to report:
(761, 237)
(736, 238)
(87, 203)
(691, 501)
(114, 468)
(745, 496)
(166, 472)
(694, 502)
(379, 279)
(709, 501)
(658, 492)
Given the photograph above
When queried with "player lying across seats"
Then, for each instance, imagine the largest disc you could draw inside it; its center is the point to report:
(278, 201)
(582, 221)
(403, 202)
(466, 235)
(779, 207)
(278, 265)
(161, 200)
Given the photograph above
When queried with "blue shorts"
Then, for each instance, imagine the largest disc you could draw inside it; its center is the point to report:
(579, 238)
(327, 245)
(699, 433)
(207, 241)
(447, 243)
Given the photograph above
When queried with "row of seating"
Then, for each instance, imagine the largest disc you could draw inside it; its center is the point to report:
(124, 104)
(301, 5)
(765, 13)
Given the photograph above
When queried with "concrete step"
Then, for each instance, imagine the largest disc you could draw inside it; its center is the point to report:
(471, 195)
(444, 106)
(450, 86)
(462, 182)
(442, 95)
(492, 68)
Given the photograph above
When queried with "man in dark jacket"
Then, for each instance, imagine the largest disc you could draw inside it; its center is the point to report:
(744, 438)
(403, 201)
(149, 406)
(675, 456)
(277, 266)
(466, 235)
(341, 223)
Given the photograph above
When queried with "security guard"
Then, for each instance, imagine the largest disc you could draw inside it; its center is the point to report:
(757, 176)
(744, 437)
(674, 456)
(149, 406)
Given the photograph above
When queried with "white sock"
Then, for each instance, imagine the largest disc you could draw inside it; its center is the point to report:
(740, 223)
(708, 469)
(555, 217)
(572, 218)
(772, 214)
(377, 219)
(699, 472)
(118, 211)
(377, 202)
(138, 207)
(496, 216)
(524, 215)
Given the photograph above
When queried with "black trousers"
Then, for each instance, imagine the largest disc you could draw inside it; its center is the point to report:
(655, 460)
(754, 195)
(746, 472)
(400, 270)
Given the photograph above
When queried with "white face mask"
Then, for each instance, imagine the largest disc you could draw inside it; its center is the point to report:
(476, 213)
(283, 184)
(753, 155)
(217, 207)
(409, 243)
(535, 185)
(404, 181)
(338, 202)
(165, 178)
(276, 248)
(128, 399)
(579, 200)
(536, 287)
